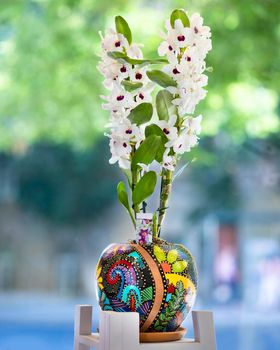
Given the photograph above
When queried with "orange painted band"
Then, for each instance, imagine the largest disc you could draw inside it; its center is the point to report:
(159, 289)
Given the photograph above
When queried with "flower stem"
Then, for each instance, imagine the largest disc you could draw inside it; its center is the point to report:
(166, 181)
(135, 179)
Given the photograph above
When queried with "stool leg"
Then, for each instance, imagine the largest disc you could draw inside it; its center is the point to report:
(204, 330)
(119, 330)
(82, 325)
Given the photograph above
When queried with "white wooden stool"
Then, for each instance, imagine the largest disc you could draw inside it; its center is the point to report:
(120, 331)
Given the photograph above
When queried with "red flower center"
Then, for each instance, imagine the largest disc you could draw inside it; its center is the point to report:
(128, 131)
(175, 71)
(117, 43)
(189, 58)
(124, 144)
(141, 96)
(120, 98)
(195, 30)
(138, 76)
(123, 69)
(170, 47)
(181, 38)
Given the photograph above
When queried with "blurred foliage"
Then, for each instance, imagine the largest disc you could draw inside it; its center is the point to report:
(48, 53)
(61, 183)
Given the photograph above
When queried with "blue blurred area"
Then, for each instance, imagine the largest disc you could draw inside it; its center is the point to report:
(235, 328)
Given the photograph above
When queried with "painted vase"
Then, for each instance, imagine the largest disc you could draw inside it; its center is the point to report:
(150, 276)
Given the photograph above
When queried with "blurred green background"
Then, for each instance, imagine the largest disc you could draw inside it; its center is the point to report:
(58, 205)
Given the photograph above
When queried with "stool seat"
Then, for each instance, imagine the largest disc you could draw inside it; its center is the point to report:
(120, 331)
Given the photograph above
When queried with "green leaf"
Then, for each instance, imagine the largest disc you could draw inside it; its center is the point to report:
(122, 195)
(172, 256)
(164, 104)
(179, 14)
(146, 152)
(120, 56)
(161, 78)
(180, 286)
(122, 27)
(130, 86)
(123, 198)
(179, 266)
(159, 254)
(144, 188)
(141, 114)
(154, 129)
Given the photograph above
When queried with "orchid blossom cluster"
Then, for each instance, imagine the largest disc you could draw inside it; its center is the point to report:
(143, 130)
(125, 135)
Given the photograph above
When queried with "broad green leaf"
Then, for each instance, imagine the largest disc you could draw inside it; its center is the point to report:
(141, 114)
(122, 195)
(144, 188)
(172, 256)
(154, 129)
(122, 27)
(179, 266)
(159, 254)
(130, 86)
(161, 78)
(164, 104)
(123, 198)
(179, 14)
(147, 151)
(120, 56)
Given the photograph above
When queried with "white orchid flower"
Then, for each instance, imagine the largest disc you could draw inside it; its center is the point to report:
(193, 124)
(144, 167)
(168, 47)
(199, 35)
(184, 142)
(138, 75)
(190, 94)
(174, 39)
(168, 161)
(130, 132)
(118, 99)
(144, 93)
(113, 41)
(169, 128)
(134, 51)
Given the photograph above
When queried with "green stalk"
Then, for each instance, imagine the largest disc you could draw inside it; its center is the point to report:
(130, 212)
(135, 179)
(166, 181)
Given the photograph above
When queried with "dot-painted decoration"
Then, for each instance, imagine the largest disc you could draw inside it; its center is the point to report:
(158, 280)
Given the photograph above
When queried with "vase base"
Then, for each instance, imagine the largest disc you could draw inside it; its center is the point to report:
(159, 337)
